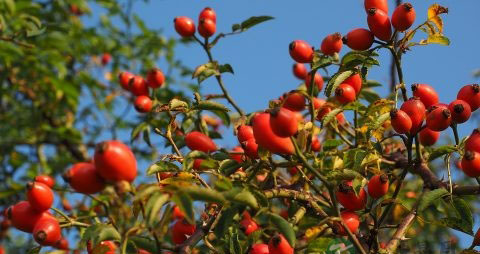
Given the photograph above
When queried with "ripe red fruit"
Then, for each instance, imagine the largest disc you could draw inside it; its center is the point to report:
(115, 161)
(294, 101)
(351, 220)
(106, 57)
(428, 137)
(184, 26)
(426, 93)
(332, 44)
(347, 198)
(301, 51)
(208, 13)
(143, 104)
(237, 157)
(138, 86)
(317, 80)
(471, 95)
(379, 4)
(473, 142)
(378, 186)
(283, 122)
(207, 28)
(251, 148)
(354, 81)
(248, 224)
(300, 71)
(265, 137)
(24, 217)
(345, 93)
(401, 122)
(177, 213)
(62, 244)
(471, 163)
(279, 245)
(316, 145)
(83, 177)
(180, 230)
(439, 119)
(244, 133)
(359, 39)
(476, 239)
(45, 179)
(111, 247)
(155, 78)
(124, 79)
(403, 17)
(47, 231)
(259, 248)
(416, 111)
(196, 140)
(318, 103)
(379, 23)
(460, 110)
(142, 251)
(40, 196)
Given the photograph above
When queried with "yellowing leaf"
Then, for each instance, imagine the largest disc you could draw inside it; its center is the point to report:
(313, 232)
(438, 39)
(433, 15)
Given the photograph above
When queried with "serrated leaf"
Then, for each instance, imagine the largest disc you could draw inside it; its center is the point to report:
(437, 39)
(211, 105)
(380, 120)
(185, 203)
(223, 184)
(250, 22)
(162, 166)
(228, 167)
(283, 227)
(441, 151)
(205, 71)
(464, 212)
(430, 197)
(176, 104)
(101, 232)
(457, 224)
(332, 143)
(136, 131)
(225, 68)
(242, 196)
(202, 194)
(433, 15)
(330, 116)
(320, 61)
(336, 80)
(225, 221)
(353, 158)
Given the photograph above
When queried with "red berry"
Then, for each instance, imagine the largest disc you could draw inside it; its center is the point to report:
(265, 137)
(47, 231)
(244, 133)
(251, 148)
(359, 39)
(142, 251)
(416, 111)
(428, 137)
(460, 110)
(207, 27)
(111, 247)
(403, 17)
(379, 23)
(197, 164)
(259, 248)
(177, 213)
(471, 95)
(439, 119)
(471, 164)
(83, 177)
(184, 26)
(248, 225)
(294, 101)
(143, 104)
(208, 13)
(317, 80)
(300, 71)
(316, 145)
(155, 78)
(301, 51)
(473, 142)
(115, 161)
(351, 220)
(40, 196)
(347, 198)
(196, 140)
(24, 217)
(45, 179)
(279, 245)
(180, 230)
(236, 156)
(378, 186)
(401, 122)
(318, 103)
(124, 79)
(345, 93)
(138, 86)
(62, 244)
(332, 44)
(426, 94)
(354, 81)
(476, 239)
(378, 4)
(106, 57)
(283, 122)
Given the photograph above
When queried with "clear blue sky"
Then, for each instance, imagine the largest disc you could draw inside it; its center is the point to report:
(263, 66)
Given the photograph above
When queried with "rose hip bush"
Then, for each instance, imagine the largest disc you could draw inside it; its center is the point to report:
(301, 177)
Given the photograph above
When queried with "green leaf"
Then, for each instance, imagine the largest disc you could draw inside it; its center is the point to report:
(144, 243)
(154, 205)
(101, 232)
(355, 58)
(379, 121)
(430, 197)
(223, 183)
(332, 143)
(457, 224)
(372, 83)
(252, 21)
(162, 166)
(202, 194)
(225, 68)
(283, 227)
(321, 61)
(353, 158)
(34, 250)
(441, 151)
(234, 244)
(369, 95)
(10, 4)
(177, 104)
(330, 116)
(146, 136)
(211, 105)
(229, 166)
(225, 221)
(205, 71)
(185, 203)
(336, 80)
(242, 196)
(464, 212)
(318, 245)
(136, 131)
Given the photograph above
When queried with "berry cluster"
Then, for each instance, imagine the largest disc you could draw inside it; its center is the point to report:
(139, 87)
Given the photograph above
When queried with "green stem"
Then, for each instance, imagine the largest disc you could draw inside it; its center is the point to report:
(355, 125)
(417, 148)
(455, 133)
(307, 165)
(398, 65)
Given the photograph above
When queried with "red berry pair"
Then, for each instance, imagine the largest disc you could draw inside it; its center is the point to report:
(379, 22)
(185, 26)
